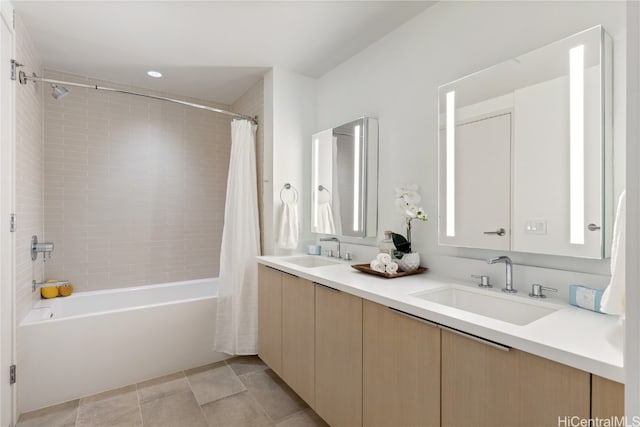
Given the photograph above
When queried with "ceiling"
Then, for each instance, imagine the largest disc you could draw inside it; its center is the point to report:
(213, 50)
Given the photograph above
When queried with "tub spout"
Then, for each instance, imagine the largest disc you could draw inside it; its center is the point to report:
(35, 286)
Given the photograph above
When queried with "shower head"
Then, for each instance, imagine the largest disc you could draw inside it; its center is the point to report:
(59, 92)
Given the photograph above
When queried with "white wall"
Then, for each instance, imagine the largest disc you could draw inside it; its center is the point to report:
(289, 100)
(396, 80)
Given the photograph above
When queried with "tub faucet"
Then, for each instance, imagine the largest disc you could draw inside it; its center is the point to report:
(333, 239)
(509, 282)
(35, 286)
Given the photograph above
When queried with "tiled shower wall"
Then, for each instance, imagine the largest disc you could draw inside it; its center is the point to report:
(134, 188)
(28, 172)
(251, 103)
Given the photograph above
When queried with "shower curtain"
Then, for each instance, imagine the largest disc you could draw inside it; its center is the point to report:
(237, 315)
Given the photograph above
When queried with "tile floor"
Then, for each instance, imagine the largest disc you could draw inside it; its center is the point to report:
(237, 392)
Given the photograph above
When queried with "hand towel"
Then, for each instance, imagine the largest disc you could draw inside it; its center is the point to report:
(377, 266)
(383, 259)
(392, 268)
(613, 299)
(288, 232)
(325, 219)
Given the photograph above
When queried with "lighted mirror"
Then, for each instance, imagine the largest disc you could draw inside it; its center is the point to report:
(525, 152)
(344, 179)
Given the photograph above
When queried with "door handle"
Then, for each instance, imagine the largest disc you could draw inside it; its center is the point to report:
(593, 227)
(499, 232)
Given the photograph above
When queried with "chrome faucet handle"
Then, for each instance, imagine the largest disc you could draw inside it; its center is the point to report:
(536, 291)
(484, 281)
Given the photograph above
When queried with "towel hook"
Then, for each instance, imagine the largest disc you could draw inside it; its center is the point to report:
(288, 186)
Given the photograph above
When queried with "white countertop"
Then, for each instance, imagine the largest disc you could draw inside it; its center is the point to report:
(573, 336)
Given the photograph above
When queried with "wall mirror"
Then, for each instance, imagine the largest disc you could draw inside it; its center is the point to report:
(525, 152)
(344, 179)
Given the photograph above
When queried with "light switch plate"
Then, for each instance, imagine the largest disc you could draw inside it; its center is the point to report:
(536, 226)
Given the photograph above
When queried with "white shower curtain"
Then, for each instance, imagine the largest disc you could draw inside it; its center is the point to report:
(237, 315)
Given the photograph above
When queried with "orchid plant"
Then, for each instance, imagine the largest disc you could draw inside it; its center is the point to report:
(407, 199)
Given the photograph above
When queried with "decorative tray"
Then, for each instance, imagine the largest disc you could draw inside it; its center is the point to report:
(365, 268)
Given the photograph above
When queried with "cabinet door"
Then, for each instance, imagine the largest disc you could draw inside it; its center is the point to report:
(478, 383)
(485, 386)
(338, 357)
(298, 336)
(607, 398)
(270, 317)
(401, 369)
(549, 391)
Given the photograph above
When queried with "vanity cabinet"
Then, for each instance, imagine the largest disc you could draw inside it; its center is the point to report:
(401, 369)
(487, 385)
(338, 362)
(270, 317)
(607, 398)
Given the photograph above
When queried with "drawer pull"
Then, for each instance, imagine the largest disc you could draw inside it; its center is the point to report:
(327, 287)
(495, 345)
(414, 317)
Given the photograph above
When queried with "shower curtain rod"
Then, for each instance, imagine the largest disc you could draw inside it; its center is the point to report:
(24, 78)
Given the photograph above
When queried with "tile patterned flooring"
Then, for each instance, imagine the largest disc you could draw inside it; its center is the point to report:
(237, 392)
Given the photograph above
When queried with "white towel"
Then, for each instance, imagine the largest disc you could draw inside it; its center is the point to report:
(613, 299)
(325, 219)
(288, 232)
(392, 268)
(377, 266)
(384, 259)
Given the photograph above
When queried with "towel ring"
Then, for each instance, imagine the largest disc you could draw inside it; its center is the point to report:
(323, 188)
(290, 187)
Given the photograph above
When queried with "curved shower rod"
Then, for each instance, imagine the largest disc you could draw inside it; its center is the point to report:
(23, 79)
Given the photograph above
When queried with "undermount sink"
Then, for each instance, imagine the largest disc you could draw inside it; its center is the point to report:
(507, 308)
(310, 261)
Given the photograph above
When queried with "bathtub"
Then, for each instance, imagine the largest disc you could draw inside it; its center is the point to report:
(95, 341)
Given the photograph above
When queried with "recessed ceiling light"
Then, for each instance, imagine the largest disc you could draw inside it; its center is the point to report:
(155, 74)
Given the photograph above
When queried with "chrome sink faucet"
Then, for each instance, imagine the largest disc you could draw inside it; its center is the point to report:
(509, 282)
(333, 239)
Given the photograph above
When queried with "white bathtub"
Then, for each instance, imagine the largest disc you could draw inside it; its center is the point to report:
(96, 341)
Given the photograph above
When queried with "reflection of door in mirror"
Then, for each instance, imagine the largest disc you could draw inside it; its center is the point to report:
(481, 158)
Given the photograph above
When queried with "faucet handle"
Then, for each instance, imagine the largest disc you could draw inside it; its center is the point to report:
(484, 281)
(536, 291)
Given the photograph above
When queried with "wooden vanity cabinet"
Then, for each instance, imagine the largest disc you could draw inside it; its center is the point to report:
(270, 317)
(483, 385)
(607, 398)
(401, 369)
(338, 362)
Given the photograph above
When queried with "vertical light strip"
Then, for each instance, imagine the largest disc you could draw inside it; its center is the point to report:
(314, 185)
(451, 164)
(576, 144)
(356, 179)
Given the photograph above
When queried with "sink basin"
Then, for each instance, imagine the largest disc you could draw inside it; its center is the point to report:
(310, 261)
(507, 308)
